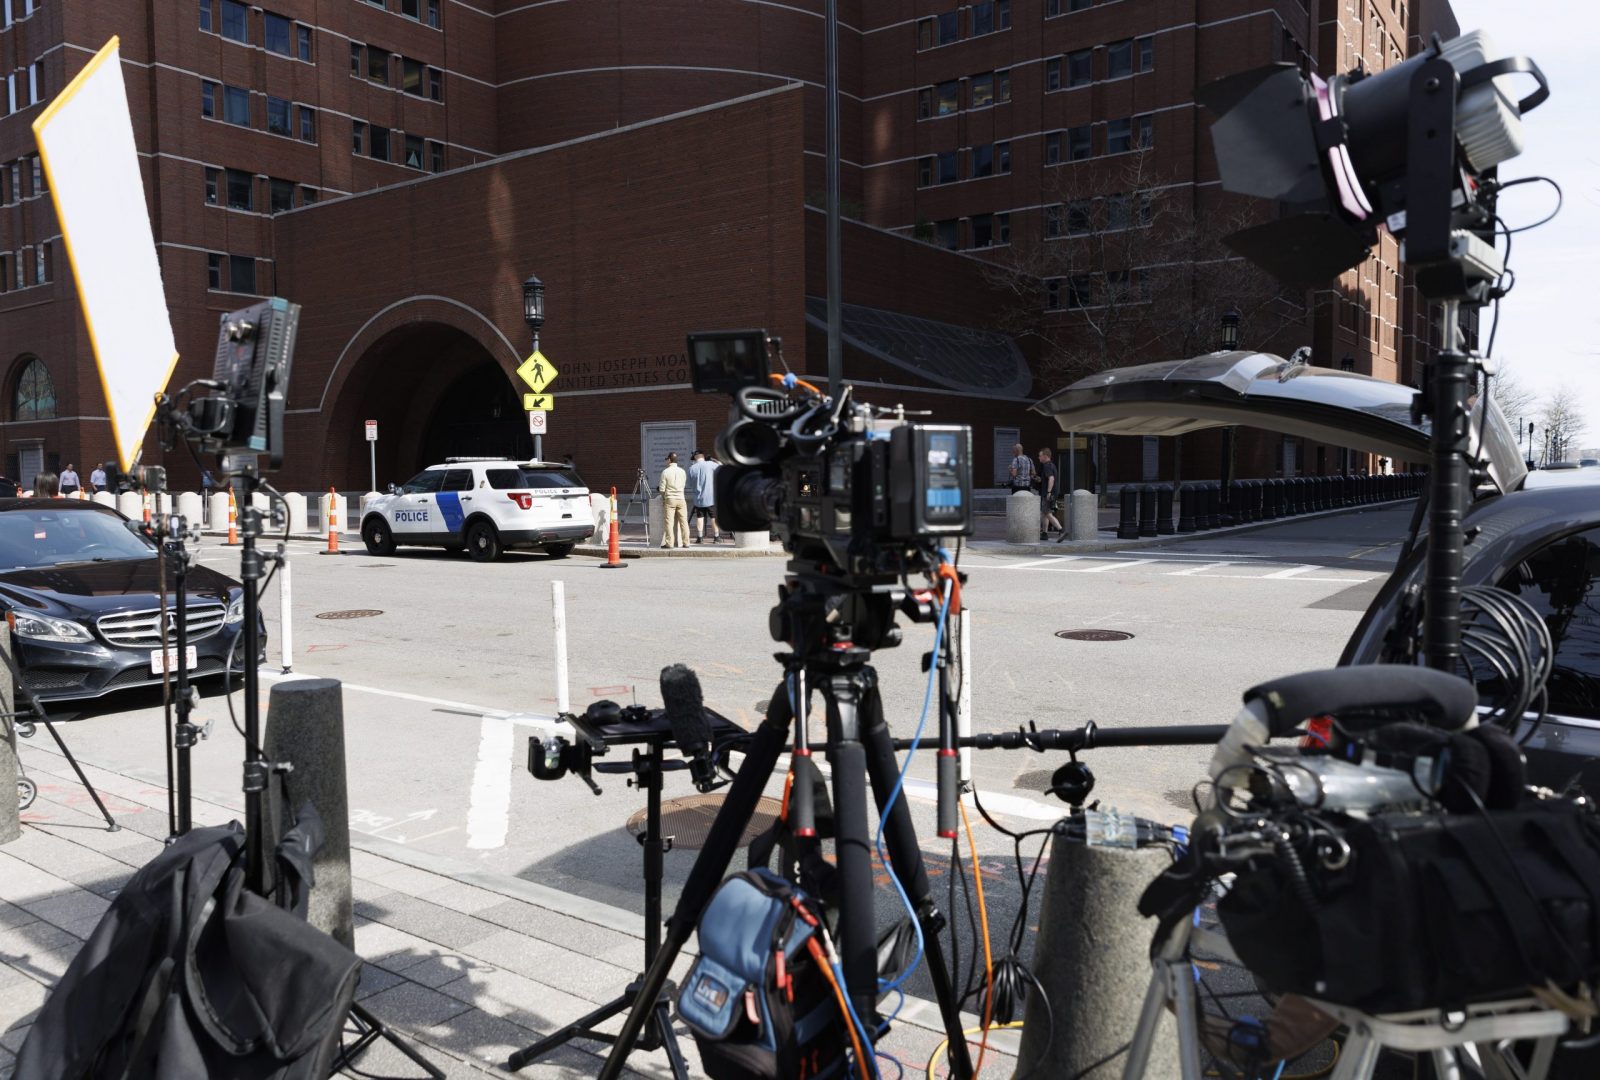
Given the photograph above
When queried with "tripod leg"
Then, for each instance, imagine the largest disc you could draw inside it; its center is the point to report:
(906, 862)
(857, 928)
(770, 740)
(111, 824)
(663, 1021)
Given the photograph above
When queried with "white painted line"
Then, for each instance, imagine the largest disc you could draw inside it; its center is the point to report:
(1197, 569)
(1033, 564)
(489, 814)
(1197, 554)
(1293, 571)
(1123, 564)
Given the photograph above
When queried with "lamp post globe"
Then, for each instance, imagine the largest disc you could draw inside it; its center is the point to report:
(1230, 329)
(533, 303)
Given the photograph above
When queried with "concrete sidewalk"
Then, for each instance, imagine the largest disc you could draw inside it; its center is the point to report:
(468, 964)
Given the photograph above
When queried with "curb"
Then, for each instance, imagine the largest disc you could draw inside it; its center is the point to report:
(694, 551)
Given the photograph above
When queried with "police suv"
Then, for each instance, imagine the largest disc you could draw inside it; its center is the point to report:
(485, 505)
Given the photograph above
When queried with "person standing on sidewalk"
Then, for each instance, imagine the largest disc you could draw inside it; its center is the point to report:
(1049, 483)
(97, 478)
(702, 475)
(69, 481)
(675, 519)
(1021, 470)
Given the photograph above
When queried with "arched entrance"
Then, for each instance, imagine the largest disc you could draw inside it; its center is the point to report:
(435, 392)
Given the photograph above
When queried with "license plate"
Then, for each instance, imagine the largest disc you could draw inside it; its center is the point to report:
(171, 660)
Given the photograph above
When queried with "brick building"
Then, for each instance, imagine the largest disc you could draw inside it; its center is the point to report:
(398, 167)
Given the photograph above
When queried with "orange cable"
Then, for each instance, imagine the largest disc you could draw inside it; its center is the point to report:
(988, 957)
(798, 381)
(844, 1008)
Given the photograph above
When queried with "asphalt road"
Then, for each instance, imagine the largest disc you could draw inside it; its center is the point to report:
(442, 679)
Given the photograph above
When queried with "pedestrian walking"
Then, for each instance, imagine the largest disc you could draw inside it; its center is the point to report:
(1049, 493)
(702, 485)
(1021, 469)
(97, 478)
(69, 481)
(675, 519)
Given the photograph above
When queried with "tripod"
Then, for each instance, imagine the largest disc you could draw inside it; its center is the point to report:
(640, 498)
(822, 618)
(647, 768)
(183, 735)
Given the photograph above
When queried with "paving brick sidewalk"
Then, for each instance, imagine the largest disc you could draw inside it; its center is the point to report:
(469, 965)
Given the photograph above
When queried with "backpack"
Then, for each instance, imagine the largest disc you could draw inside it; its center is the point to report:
(756, 999)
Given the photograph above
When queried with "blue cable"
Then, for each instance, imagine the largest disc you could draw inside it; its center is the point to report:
(861, 1029)
(1279, 1074)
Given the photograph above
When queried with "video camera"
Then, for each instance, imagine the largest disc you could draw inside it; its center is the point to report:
(842, 483)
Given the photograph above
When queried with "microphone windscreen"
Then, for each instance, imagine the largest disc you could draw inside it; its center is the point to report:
(685, 709)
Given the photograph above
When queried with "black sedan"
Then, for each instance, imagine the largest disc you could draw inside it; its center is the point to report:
(80, 588)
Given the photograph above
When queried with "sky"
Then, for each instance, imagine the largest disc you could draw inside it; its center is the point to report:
(1549, 333)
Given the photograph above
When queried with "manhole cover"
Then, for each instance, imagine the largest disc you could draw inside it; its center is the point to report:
(352, 613)
(688, 820)
(1094, 635)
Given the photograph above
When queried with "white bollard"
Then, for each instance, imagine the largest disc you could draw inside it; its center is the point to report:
(131, 505)
(297, 513)
(558, 608)
(751, 539)
(285, 623)
(105, 498)
(189, 505)
(1022, 518)
(1084, 516)
(219, 514)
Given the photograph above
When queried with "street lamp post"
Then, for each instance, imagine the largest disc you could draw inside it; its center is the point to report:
(533, 315)
(1230, 342)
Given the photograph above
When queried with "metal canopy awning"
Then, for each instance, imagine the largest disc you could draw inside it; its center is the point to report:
(957, 357)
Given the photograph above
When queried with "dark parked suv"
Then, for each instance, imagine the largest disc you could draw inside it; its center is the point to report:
(80, 588)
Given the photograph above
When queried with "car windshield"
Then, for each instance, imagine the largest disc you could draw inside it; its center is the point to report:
(527, 476)
(36, 538)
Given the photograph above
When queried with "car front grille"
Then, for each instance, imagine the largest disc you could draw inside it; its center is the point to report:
(54, 678)
(142, 629)
(139, 676)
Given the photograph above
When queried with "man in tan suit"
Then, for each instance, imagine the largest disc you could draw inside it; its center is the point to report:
(675, 520)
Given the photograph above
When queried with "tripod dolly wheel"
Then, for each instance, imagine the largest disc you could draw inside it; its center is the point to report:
(27, 791)
(25, 729)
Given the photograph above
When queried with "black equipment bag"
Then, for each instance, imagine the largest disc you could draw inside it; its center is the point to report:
(188, 974)
(756, 999)
(1432, 910)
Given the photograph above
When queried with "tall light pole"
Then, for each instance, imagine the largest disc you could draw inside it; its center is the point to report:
(533, 315)
(831, 92)
(1230, 342)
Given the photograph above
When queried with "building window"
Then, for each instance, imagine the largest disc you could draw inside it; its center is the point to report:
(1002, 14)
(205, 15)
(41, 270)
(213, 186)
(983, 160)
(1002, 87)
(433, 13)
(1052, 74)
(308, 124)
(1078, 219)
(39, 187)
(411, 72)
(35, 398)
(411, 9)
(379, 144)
(241, 274)
(5, 261)
(16, 181)
(1052, 294)
(1052, 148)
(1054, 222)
(1002, 156)
(1080, 291)
(1002, 228)
(435, 157)
(980, 91)
(1079, 5)
(924, 33)
(235, 25)
(949, 170)
(1080, 67)
(208, 99)
(280, 195)
(1119, 136)
(277, 115)
(308, 195)
(276, 33)
(924, 104)
(435, 84)
(981, 230)
(236, 105)
(241, 190)
(924, 171)
(1080, 143)
(1146, 48)
(983, 18)
(11, 88)
(949, 27)
(358, 135)
(413, 151)
(1118, 212)
(1052, 8)
(302, 34)
(213, 271)
(1144, 131)
(36, 82)
(948, 233)
(949, 97)
(357, 60)
(1119, 59)
(378, 65)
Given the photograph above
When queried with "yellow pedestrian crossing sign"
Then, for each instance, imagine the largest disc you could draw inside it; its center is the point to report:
(537, 372)
(534, 402)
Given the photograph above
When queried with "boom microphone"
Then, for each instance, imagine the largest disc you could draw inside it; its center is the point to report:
(691, 728)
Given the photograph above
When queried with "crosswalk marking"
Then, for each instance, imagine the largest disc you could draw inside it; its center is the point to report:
(1232, 567)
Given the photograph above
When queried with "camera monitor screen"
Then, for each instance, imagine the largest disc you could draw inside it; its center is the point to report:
(722, 361)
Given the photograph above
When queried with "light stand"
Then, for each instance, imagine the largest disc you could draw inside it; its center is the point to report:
(245, 483)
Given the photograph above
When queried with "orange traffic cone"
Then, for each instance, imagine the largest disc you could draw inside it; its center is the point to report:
(333, 523)
(613, 557)
(146, 501)
(233, 521)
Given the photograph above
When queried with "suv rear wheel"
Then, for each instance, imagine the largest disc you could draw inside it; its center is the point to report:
(376, 535)
(483, 541)
(558, 551)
